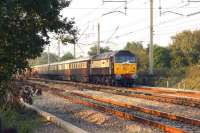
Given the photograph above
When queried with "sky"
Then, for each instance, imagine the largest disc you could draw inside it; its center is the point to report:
(117, 27)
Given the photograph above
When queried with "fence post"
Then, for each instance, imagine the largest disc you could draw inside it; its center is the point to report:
(184, 86)
(167, 84)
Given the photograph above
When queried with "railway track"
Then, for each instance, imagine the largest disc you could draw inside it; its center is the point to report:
(167, 125)
(129, 113)
(185, 93)
(127, 116)
(141, 109)
(166, 122)
(192, 102)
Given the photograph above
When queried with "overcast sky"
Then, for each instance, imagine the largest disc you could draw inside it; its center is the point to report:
(117, 28)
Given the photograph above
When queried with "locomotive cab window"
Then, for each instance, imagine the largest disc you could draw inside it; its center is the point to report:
(125, 59)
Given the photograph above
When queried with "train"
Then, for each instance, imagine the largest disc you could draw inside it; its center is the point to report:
(110, 68)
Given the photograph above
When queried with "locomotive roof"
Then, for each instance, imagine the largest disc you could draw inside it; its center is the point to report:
(110, 54)
(104, 55)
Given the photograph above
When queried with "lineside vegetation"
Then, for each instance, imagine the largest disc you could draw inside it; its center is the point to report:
(175, 63)
(25, 28)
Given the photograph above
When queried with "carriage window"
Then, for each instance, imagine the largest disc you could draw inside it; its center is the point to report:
(66, 66)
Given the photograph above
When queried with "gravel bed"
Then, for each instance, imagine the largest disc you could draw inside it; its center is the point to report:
(187, 127)
(88, 119)
(185, 111)
(165, 107)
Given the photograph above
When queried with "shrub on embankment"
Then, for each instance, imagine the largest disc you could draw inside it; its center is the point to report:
(180, 78)
(191, 80)
(22, 120)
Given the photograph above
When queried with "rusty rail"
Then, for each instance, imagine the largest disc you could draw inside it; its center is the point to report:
(124, 92)
(127, 116)
(142, 109)
(192, 94)
(166, 99)
(120, 114)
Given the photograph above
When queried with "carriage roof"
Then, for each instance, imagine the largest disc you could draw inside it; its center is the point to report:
(105, 55)
(64, 62)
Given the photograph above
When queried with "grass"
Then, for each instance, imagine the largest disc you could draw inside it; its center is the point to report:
(25, 121)
(187, 78)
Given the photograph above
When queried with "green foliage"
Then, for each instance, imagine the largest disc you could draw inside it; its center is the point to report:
(142, 56)
(3, 84)
(43, 59)
(170, 63)
(24, 121)
(93, 50)
(24, 31)
(24, 27)
(178, 59)
(191, 78)
(162, 57)
(67, 56)
(185, 48)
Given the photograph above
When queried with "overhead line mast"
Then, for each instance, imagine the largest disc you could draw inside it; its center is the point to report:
(98, 40)
(151, 40)
(98, 25)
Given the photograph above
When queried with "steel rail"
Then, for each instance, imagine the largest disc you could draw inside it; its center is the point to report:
(127, 116)
(194, 122)
(124, 92)
(167, 128)
(190, 94)
(166, 99)
(145, 110)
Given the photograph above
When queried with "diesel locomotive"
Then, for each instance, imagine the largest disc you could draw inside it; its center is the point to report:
(111, 68)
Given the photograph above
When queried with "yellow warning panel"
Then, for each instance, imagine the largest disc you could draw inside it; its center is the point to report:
(125, 68)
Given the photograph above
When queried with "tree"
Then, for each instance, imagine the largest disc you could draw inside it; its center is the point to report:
(178, 59)
(141, 54)
(162, 57)
(185, 48)
(67, 56)
(24, 31)
(93, 50)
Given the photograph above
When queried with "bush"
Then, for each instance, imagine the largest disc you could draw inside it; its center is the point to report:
(25, 121)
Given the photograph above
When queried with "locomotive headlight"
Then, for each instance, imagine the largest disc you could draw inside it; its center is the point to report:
(118, 76)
